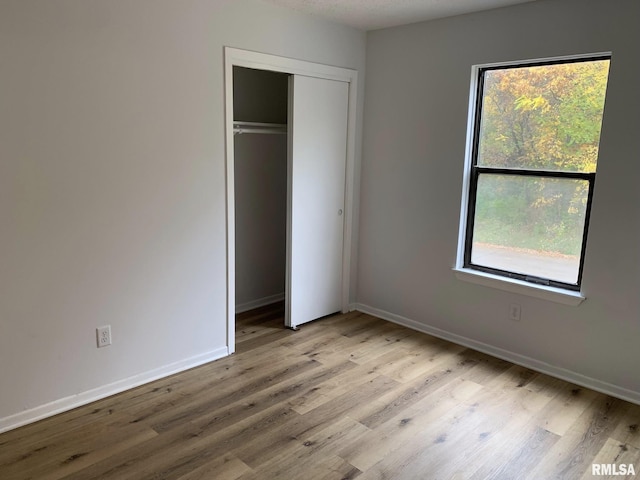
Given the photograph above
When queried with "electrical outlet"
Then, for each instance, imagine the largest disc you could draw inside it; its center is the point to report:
(103, 335)
(514, 312)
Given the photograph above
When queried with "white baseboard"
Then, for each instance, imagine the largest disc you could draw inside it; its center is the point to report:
(522, 360)
(71, 402)
(261, 302)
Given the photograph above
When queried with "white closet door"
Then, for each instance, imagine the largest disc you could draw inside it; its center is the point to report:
(315, 225)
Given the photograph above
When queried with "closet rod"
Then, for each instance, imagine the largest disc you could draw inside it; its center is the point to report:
(257, 127)
(238, 131)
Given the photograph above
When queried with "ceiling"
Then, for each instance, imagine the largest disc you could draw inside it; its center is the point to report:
(374, 14)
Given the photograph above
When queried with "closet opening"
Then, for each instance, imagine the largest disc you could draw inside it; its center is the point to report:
(260, 111)
(290, 153)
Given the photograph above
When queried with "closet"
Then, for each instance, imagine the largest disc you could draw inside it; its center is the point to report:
(290, 150)
(260, 170)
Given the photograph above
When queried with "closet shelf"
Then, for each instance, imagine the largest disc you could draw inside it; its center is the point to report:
(257, 127)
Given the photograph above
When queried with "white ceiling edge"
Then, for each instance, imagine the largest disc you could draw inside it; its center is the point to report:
(376, 14)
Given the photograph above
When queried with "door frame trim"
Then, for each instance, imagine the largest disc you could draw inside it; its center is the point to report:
(263, 61)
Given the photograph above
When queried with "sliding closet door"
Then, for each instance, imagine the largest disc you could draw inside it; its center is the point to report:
(318, 111)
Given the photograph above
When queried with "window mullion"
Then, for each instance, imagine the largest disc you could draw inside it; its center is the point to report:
(534, 173)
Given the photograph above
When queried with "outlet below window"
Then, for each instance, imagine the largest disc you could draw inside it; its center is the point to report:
(514, 312)
(103, 335)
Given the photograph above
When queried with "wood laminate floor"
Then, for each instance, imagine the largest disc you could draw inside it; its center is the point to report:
(349, 396)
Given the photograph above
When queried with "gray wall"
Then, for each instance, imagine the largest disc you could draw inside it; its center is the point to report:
(416, 107)
(112, 185)
(261, 217)
(260, 95)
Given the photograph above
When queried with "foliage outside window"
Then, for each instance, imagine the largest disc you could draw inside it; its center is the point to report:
(534, 156)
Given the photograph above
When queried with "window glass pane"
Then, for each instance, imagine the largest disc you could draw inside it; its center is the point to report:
(530, 225)
(543, 117)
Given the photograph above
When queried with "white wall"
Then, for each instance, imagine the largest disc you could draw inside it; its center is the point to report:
(413, 154)
(112, 185)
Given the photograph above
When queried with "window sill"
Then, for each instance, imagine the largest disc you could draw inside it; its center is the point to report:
(558, 295)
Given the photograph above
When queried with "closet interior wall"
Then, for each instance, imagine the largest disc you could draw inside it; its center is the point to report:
(260, 161)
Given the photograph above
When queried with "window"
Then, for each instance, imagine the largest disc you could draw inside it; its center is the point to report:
(534, 151)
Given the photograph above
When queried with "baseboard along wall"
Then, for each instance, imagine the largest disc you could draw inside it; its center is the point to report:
(68, 403)
(260, 302)
(522, 360)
